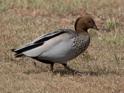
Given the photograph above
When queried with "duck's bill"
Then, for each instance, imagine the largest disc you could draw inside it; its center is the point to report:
(95, 27)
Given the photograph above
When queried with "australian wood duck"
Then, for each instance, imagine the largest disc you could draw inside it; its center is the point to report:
(59, 46)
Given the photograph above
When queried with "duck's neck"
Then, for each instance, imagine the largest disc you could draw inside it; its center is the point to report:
(81, 31)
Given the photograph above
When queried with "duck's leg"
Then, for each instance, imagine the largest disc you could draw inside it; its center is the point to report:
(45, 61)
(51, 66)
(35, 64)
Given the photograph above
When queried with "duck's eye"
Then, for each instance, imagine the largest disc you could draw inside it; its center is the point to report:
(90, 22)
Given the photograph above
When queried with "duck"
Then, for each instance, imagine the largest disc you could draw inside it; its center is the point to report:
(59, 46)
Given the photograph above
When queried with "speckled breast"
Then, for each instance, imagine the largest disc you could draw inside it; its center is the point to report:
(80, 45)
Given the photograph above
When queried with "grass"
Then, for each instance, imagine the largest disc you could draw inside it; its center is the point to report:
(102, 65)
(111, 24)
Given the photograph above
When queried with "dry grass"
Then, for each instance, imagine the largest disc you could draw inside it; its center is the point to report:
(102, 66)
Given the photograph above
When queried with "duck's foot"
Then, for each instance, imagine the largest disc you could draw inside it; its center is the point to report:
(72, 70)
(68, 68)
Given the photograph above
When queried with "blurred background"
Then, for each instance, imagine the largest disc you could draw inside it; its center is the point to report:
(102, 65)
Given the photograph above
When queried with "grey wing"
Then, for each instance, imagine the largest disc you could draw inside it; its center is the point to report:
(48, 36)
(37, 46)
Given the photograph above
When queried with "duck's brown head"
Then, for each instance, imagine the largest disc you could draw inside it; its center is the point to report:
(84, 23)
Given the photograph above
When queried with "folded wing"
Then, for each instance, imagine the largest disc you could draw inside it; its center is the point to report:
(42, 43)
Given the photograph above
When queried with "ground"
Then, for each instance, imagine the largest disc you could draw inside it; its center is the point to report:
(101, 66)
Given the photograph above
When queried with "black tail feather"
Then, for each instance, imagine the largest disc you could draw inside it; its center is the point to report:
(16, 53)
